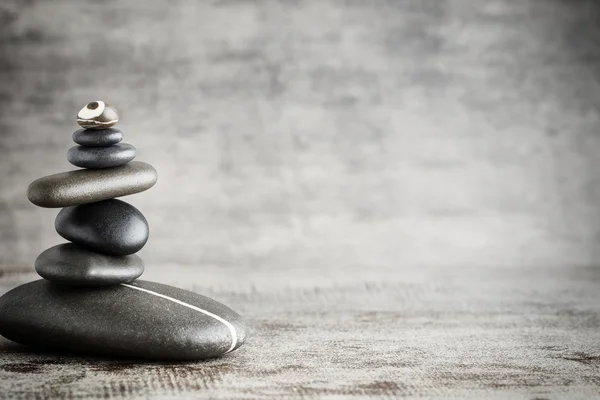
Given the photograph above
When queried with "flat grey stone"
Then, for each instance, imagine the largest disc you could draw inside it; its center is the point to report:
(89, 185)
(73, 265)
(109, 227)
(101, 157)
(139, 320)
(97, 137)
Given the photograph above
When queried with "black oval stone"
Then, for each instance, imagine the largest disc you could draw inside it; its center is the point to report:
(101, 157)
(70, 264)
(109, 227)
(97, 137)
(139, 320)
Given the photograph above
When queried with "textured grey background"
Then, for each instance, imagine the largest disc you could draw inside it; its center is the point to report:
(329, 132)
(402, 197)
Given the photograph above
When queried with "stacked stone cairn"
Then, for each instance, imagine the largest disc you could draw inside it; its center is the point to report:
(104, 232)
(90, 300)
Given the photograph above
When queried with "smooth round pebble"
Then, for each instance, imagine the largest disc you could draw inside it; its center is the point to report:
(91, 185)
(73, 265)
(142, 320)
(97, 115)
(101, 157)
(97, 137)
(110, 227)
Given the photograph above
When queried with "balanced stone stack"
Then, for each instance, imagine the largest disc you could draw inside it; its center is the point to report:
(90, 300)
(104, 232)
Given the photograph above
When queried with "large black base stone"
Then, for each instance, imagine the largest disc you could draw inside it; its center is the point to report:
(143, 320)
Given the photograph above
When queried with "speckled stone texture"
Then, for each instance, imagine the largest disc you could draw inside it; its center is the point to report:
(87, 186)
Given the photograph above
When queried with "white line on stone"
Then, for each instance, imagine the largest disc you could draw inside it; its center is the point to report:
(226, 323)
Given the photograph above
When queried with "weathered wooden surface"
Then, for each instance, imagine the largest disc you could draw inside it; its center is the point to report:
(352, 332)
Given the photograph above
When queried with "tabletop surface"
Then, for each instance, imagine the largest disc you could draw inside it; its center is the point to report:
(522, 332)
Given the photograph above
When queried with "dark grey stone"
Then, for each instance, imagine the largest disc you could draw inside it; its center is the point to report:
(97, 137)
(101, 157)
(89, 185)
(73, 265)
(142, 320)
(109, 227)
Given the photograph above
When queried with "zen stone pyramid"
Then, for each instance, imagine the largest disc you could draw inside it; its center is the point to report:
(89, 300)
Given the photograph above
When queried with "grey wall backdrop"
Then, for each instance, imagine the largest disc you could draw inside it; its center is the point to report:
(326, 133)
